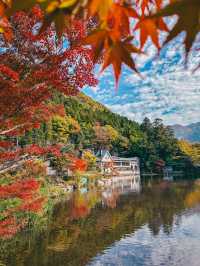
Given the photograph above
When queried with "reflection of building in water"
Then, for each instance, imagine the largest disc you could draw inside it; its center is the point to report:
(168, 173)
(119, 185)
(117, 165)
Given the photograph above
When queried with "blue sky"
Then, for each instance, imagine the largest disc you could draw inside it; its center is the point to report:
(167, 91)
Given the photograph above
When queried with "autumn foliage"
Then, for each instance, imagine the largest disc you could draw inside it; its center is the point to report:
(49, 46)
(34, 67)
(112, 25)
(20, 196)
(52, 46)
(78, 164)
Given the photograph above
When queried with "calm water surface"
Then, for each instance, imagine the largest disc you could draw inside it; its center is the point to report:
(129, 223)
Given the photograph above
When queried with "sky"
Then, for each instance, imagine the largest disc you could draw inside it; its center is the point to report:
(167, 90)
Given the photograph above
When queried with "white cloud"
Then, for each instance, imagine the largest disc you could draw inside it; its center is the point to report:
(174, 97)
(168, 90)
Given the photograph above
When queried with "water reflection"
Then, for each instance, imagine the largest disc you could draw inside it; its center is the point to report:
(124, 223)
(119, 185)
(180, 248)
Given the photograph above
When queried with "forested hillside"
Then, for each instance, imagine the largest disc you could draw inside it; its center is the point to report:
(89, 125)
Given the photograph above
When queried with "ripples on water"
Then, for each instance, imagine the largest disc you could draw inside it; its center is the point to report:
(126, 224)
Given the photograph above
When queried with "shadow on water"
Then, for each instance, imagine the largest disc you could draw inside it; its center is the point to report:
(126, 223)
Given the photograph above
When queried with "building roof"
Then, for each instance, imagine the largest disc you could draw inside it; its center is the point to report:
(104, 155)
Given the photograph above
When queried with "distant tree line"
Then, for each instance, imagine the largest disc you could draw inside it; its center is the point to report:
(89, 125)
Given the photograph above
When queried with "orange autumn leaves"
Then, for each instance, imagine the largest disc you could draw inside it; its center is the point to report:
(4, 22)
(115, 26)
(114, 40)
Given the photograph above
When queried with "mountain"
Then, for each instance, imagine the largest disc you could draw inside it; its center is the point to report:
(90, 125)
(190, 132)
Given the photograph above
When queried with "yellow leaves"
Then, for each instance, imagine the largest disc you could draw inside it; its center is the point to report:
(100, 7)
(52, 6)
(67, 3)
(55, 12)
(190, 150)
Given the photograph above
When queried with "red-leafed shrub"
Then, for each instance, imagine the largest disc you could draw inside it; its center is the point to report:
(26, 194)
(10, 226)
(78, 165)
(33, 206)
(23, 189)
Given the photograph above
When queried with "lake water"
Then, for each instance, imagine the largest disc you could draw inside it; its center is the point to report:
(128, 224)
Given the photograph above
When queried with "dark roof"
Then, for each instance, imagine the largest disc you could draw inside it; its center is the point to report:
(102, 153)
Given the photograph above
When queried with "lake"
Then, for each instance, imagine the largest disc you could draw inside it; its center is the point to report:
(130, 223)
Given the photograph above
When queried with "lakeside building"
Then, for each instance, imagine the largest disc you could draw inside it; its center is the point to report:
(117, 165)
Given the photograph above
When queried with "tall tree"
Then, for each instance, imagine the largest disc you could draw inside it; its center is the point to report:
(33, 67)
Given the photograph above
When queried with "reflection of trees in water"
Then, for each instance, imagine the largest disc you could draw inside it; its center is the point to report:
(193, 198)
(82, 227)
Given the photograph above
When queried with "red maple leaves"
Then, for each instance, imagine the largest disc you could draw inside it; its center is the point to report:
(26, 191)
(113, 16)
(22, 189)
(34, 66)
(113, 39)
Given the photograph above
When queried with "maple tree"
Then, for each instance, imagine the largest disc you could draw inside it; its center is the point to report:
(32, 69)
(113, 24)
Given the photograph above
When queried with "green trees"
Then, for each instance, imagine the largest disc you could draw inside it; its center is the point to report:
(89, 125)
(159, 142)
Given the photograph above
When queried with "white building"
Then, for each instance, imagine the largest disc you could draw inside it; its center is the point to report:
(117, 165)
